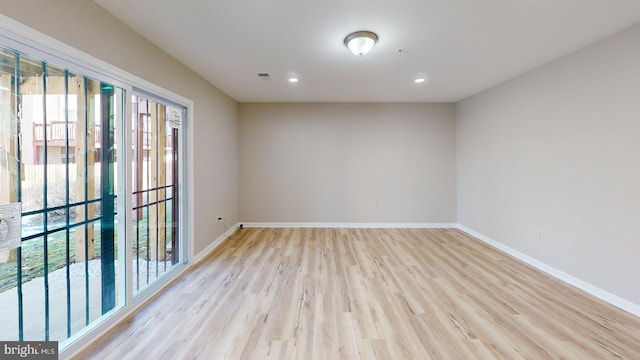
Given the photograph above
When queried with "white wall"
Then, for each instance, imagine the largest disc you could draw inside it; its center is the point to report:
(559, 149)
(89, 28)
(327, 163)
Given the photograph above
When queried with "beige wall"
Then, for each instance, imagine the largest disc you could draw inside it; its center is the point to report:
(327, 163)
(558, 149)
(87, 27)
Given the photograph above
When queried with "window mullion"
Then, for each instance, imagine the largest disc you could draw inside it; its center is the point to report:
(45, 213)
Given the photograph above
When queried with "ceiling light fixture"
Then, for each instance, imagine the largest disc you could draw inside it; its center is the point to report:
(293, 80)
(419, 80)
(360, 42)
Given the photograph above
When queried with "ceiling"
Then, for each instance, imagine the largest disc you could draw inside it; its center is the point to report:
(461, 46)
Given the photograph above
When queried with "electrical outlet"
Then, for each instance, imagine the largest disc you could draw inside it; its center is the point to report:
(374, 204)
(540, 234)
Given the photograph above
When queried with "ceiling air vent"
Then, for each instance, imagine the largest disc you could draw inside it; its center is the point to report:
(264, 76)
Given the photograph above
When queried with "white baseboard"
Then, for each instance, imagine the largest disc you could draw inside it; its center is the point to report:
(206, 251)
(569, 279)
(351, 225)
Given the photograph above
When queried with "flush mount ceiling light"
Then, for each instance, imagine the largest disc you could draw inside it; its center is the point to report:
(360, 42)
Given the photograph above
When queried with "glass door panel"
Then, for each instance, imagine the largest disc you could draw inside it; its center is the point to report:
(58, 159)
(155, 228)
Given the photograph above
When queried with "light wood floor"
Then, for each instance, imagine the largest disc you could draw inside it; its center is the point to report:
(369, 294)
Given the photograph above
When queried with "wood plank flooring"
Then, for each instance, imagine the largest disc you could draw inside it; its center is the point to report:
(369, 294)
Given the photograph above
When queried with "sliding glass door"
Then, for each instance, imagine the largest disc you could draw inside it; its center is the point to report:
(58, 164)
(156, 243)
(91, 195)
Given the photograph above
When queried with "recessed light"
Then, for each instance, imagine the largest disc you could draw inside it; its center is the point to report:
(419, 80)
(293, 80)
